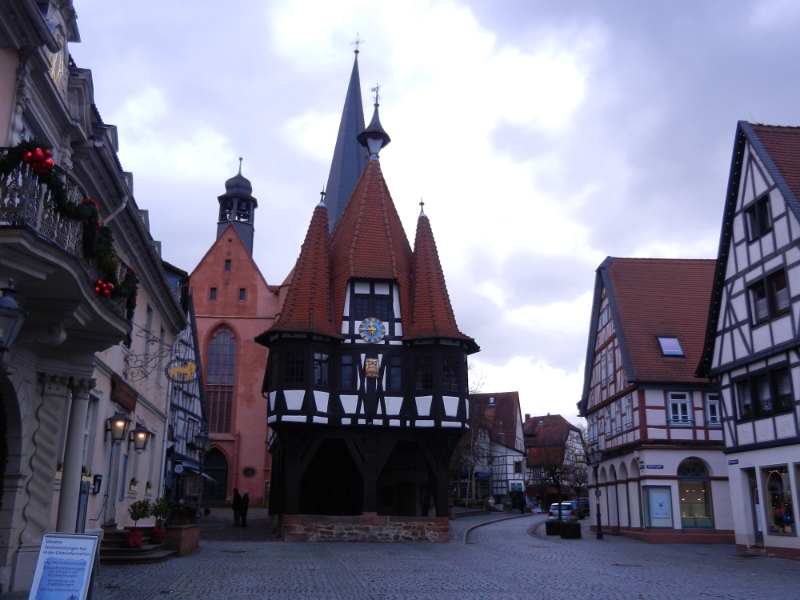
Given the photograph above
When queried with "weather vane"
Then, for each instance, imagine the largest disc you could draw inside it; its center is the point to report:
(322, 195)
(421, 206)
(356, 42)
(240, 165)
(377, 90)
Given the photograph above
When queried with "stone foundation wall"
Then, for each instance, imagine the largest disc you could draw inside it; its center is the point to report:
(368, 527)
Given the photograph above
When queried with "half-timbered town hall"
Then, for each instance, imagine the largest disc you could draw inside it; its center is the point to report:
(367, 375)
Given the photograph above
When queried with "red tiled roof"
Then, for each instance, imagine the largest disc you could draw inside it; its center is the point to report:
(662, 297)
(369, 241)
(499, 417)
(546, 438)
(783, 146)
(307, 308)
(432, 312)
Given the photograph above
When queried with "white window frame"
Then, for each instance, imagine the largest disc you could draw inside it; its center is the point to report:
(713, 421)
(682, 401)
(607, 421)
(610, 374)
(603, 368)
(628, 423)
(593, 428)
(618, 416)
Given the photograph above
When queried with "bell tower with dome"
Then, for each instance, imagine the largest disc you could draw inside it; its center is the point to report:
(237, 206)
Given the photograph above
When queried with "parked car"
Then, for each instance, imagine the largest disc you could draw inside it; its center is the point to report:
(569, 511)
(583, 504)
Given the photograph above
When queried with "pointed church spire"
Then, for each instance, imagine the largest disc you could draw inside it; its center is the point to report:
(349, 158)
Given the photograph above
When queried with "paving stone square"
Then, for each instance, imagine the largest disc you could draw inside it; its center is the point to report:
(500, 560)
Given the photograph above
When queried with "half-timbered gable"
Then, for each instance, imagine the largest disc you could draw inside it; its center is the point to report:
(642, 399)
(751, 345)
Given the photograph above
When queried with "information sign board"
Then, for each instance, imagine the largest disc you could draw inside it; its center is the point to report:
(64, 568)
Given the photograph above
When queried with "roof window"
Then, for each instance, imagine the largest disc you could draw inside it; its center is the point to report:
(670, 346)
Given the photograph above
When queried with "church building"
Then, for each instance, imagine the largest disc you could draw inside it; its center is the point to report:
(233, 304)
(367, 370)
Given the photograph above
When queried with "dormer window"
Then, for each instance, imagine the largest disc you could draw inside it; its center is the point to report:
(670, 346)
(758, 218)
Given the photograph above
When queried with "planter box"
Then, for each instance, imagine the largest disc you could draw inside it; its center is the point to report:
(570, 531)
(182, 538)
(553, 527)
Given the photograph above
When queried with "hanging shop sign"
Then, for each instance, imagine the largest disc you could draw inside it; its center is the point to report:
(181, 370)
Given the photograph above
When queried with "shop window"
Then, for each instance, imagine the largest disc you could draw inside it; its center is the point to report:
(694, 490)
(779, 505)
(657, 506)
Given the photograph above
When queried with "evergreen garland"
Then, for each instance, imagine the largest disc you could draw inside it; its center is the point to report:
(98, 241)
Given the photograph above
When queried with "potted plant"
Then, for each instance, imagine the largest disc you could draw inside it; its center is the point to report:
(137, 510)
(148, 488)
(570, 530)
(133, 484)
(161, 509)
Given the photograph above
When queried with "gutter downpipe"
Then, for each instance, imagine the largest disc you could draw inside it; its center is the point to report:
(118, 210)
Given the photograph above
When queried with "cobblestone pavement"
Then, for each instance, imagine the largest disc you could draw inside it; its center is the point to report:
(504, 560)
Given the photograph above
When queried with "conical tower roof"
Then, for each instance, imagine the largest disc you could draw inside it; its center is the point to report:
(307, 308)
(369, 241)
(432, 314)
(349, 157)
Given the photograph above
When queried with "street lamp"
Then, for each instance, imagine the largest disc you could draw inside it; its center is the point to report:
(11, 317)
(117, 426)
(594, 457)
(202, 441)
(139, 437)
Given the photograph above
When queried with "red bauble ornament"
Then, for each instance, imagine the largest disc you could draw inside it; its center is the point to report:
(97, 289)
(27, 157)
(48, 163)
(47, 154)
(110, 287)
(38, 155)
(106, 293)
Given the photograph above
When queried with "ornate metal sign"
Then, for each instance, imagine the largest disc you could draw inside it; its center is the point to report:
(181, 370)
(372, 367)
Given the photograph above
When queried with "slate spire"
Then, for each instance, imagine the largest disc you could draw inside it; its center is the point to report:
(349, 157)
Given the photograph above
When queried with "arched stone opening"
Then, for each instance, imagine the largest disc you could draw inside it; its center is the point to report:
(332, 484)
(215, 465)
(404, 487)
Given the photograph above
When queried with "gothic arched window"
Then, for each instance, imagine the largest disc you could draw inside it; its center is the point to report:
(219, 381)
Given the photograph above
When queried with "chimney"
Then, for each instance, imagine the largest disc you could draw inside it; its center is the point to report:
(527, 416)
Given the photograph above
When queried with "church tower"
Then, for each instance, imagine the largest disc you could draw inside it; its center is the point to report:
(237, 206)
(349, 156)
(367, 374)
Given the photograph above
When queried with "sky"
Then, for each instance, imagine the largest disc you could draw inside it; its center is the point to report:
(543, 136)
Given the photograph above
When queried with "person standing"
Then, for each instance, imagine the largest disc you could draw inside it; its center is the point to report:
(237, 506)
(243, 506)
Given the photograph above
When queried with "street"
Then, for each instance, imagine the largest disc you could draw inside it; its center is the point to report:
(503, 560)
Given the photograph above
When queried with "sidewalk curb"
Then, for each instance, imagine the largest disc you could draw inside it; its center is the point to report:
(466, 534)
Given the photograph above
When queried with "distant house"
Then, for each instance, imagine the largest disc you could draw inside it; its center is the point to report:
(751, 345)
(555, 453)
(663, 476)
(497, 423)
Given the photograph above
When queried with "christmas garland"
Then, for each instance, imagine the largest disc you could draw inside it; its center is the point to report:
(98, 241)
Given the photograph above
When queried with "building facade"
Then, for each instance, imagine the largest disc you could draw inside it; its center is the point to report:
(90, 280)
(555, 457)
(663, 476)
(751, 347)
(233, 304)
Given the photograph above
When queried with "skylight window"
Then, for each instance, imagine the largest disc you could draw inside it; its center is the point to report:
(670, 346)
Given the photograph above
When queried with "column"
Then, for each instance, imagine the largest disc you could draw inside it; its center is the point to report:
(73, 456)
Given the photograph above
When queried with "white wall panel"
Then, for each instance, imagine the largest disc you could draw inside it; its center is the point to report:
(761, 340)
(681, 434)
(656, 417)
(656, 434)
(741, 257)
(784, 424)
(744, 432)
(764, 430)
(781, 232)
(782, 330)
